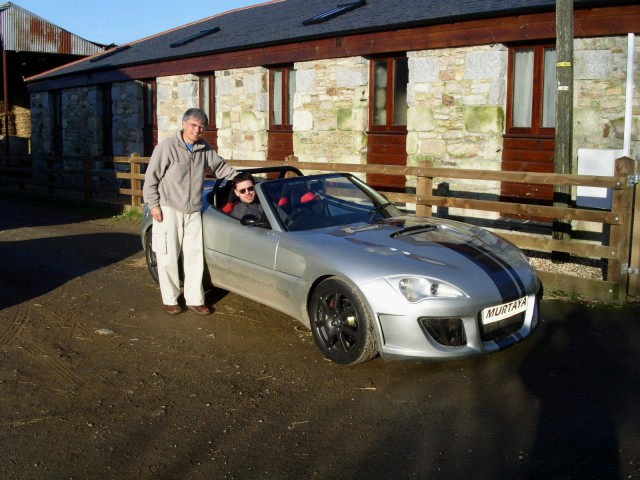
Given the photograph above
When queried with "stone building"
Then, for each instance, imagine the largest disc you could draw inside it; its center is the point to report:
(448, 84)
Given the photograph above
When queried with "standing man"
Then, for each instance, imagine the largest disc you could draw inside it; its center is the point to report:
(173, 186)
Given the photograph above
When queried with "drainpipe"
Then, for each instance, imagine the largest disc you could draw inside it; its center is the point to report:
(626, 151)
(628, 116)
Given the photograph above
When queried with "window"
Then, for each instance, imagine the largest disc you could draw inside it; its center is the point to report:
(208, 106)
(532, 100)
(334, 12)
(194, 37)
(208, 98)
(282, 82)
(388, 83)
(150, 125)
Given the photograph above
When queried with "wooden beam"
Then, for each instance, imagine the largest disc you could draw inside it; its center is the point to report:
(612, 218)
(545, 244)
(579, 286)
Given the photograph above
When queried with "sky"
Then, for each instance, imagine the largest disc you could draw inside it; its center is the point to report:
(122, 21)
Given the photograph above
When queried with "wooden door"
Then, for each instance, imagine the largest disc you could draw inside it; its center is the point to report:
(387, 135)
(529, 142)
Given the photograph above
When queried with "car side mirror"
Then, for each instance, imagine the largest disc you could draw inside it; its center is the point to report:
(251, 220)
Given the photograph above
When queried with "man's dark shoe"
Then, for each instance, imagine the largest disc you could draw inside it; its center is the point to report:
(173, 309)
(200, 309)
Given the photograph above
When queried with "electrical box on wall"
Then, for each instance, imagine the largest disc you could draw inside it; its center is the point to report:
(599, 162)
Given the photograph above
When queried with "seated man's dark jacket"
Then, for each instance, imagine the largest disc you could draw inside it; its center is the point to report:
(242, 209)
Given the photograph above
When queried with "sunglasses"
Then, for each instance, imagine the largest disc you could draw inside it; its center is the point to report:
(245, 190)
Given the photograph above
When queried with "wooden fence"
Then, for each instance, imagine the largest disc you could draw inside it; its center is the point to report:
(122, 183)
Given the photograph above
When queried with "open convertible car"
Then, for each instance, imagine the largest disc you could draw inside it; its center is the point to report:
(365, 278)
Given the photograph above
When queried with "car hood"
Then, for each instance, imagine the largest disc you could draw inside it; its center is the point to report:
(466, 256)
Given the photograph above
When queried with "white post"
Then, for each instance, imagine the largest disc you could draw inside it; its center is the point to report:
(629, 97)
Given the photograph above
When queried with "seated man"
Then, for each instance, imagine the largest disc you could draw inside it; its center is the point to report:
(244, 188)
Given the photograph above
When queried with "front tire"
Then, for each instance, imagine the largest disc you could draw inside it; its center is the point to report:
(341, 325)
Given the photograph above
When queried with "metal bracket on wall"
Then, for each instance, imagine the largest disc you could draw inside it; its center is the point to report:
(627, 270)
(632, 180)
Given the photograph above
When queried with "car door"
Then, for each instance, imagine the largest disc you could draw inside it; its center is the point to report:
(242, 259)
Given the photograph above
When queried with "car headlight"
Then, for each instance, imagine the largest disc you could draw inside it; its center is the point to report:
(415, 289)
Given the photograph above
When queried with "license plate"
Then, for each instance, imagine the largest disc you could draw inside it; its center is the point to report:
(506, 310)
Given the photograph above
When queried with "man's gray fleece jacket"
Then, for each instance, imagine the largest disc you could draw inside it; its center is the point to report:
(175, 176)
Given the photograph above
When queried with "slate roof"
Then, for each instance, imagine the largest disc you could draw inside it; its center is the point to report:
(281, 21)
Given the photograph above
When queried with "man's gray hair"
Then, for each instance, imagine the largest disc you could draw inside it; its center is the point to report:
(195, 114)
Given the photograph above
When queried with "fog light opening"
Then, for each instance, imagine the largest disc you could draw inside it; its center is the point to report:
(446, 331)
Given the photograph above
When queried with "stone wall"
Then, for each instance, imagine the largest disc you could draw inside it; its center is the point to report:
(41, 133)
(599, 97)
(242, 113)
(175, 95)
(600, 75)
(456, 111)
(82, 121)
(128, 118)
(41, 123)
(82, 118)
(331, 111)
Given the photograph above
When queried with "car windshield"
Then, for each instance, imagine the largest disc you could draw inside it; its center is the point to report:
(318, 201)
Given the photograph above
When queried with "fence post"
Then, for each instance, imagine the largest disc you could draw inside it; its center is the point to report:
(424, 188)
(621, 232)
(290, 160)
(136, 184)
(634, 263)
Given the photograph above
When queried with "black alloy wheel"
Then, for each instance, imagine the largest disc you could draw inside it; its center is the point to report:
(341, 326)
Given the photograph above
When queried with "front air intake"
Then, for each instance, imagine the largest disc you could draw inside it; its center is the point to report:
(444, 330)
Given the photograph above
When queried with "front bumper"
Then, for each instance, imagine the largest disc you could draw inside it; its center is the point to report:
(444, 328)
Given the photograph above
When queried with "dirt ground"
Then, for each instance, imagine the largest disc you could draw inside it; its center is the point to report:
(97, 382)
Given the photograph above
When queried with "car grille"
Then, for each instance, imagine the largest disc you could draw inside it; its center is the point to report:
(501, 329)
(444, 330)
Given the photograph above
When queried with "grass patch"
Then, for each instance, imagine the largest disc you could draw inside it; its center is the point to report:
(129, 214)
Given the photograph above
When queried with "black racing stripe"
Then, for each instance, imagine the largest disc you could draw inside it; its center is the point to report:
(502, 273)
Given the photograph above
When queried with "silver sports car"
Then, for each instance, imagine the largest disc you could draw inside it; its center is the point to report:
(365, 278)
